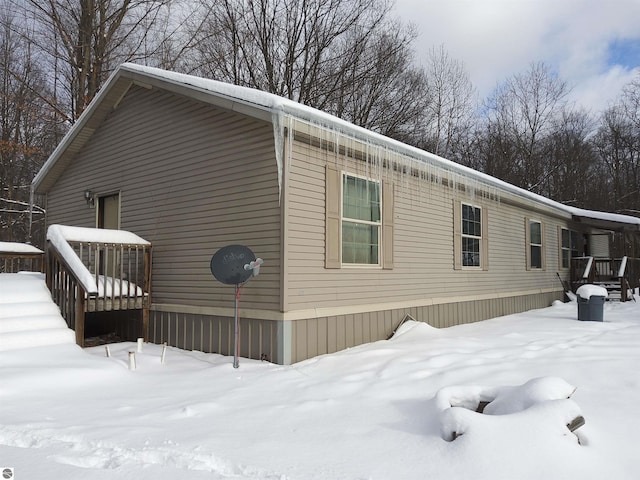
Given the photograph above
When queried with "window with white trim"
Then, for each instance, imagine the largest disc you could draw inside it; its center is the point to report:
(361, 220)
(535, 244)
(471, 235)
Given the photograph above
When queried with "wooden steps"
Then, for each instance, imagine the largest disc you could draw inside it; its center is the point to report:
(614, 289)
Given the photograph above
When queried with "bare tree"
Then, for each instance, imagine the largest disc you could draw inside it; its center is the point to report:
(520, 116)
(630, 102)
(573, 162)
(451, 106)
(167, 40)
(341, 56)
(26, 126)
(618, 145)
(375, 85)
(282, 46)
(85, 39)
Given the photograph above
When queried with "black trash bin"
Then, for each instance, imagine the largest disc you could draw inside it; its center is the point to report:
(591, 309)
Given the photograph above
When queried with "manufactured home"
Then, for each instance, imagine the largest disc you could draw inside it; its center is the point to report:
(356, 230)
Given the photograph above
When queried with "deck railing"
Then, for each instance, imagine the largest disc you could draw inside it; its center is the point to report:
(581, 270)
(99, 277)
(12, 261)
(621, 274)
(67, 291)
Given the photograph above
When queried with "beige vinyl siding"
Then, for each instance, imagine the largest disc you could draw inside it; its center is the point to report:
(423, 236)
(192, 178)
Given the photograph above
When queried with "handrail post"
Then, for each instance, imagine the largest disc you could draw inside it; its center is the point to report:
(589, 270)
(147, 288)
(79, 316)
(48, 260)
(622, 277)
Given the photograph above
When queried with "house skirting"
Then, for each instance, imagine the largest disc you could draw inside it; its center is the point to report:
(291, 337)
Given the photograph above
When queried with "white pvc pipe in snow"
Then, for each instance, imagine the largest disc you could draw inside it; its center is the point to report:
(164, 351)
(132, 360)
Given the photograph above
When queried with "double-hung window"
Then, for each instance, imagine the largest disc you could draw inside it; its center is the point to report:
(358, 220)
(535, 245)
(471, 235)
(361, 220)
(565, 248)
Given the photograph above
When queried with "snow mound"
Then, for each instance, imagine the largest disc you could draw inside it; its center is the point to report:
(14, 247)
(414, 326)
(28, 316)
(587, 291)
(541, 404)
(515, 399)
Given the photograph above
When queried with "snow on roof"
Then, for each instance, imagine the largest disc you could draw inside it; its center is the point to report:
(610, 217)
(285, 106)
(280, 108)
(14, 247)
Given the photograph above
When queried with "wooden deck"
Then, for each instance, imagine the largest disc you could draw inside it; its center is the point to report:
(116, 277)
(620, 276)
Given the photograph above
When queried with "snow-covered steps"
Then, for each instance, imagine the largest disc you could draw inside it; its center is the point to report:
(28, 316)
(613, 289)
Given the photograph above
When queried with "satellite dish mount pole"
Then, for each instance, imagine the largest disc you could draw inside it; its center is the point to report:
(236, 331)
(235, 265)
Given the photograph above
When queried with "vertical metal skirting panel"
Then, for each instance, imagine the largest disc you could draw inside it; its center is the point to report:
(297, 340)
(311, 339)
(344, 331)
(212, 334)
(322, 334)
(350, 338)
(332, 334)
(358, 329)
(205, 334)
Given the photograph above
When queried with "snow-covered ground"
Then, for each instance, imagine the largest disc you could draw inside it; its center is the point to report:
(377, 411)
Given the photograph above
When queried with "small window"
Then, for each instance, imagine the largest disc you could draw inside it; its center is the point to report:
(566, 247)
(535, 244)
(471, 235)
(361, 221)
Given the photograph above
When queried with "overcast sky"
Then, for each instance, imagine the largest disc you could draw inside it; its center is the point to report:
(592, 44)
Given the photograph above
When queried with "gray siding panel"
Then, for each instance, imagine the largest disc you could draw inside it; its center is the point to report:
(192, 178)
(213, 334)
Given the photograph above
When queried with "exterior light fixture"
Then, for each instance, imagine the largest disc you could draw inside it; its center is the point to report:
(89, 198)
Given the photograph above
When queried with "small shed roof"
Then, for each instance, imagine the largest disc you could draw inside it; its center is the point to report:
(271, 108)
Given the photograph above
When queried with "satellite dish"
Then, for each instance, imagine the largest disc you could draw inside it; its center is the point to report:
(228, 264)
